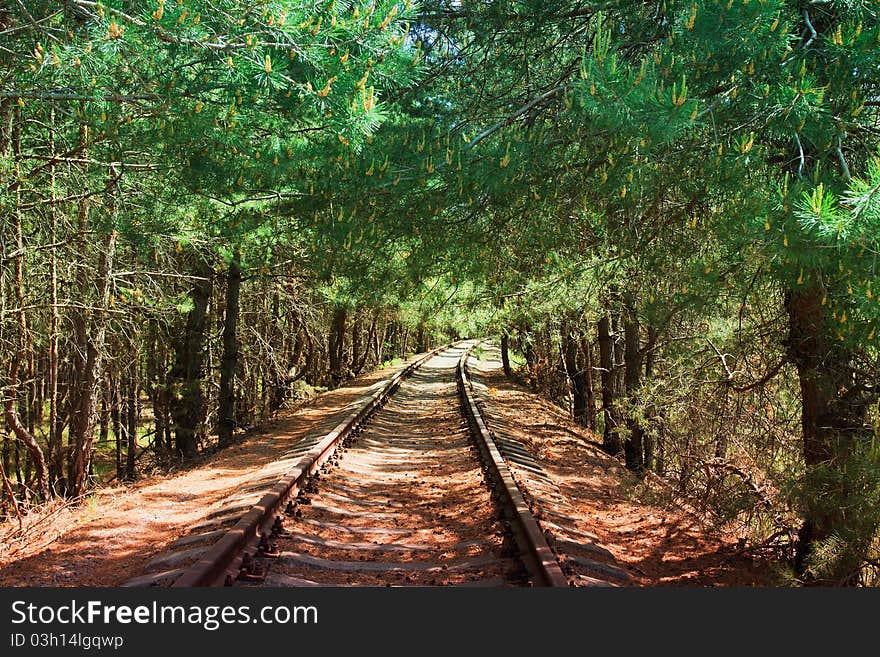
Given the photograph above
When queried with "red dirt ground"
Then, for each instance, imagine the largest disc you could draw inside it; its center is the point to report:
(659, 546)
(107, 540)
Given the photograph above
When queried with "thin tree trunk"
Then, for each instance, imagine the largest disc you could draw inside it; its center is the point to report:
(10, 493)
(116, 418)
(187, 401)
(6, 455)
(20, 476)
(80, 325)
(576, 374)
(421, 346)
(587, 359)
(505, 354)
(229, 360)
(390, 342)
(359, 367)
(155, 385)
(277, 375)
(611, 441)
(355, 340)
(310, 365)
(528, 350)
(649, 438)
(23, 435)
(298, 348)
(634, 446)
(379, 344)
(133, 413)
(660, 462)
(56, 465)
(164, 393)
(65, 375)
(336, 343)
(31, 394)
(82, 421)
(25, 349)
(104, 415)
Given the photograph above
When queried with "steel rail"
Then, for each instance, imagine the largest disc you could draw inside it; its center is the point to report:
(211, 568)
(538, 558)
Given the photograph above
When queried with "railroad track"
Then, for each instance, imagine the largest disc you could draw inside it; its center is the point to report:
(538, 558)
(584, 560)
(408, 490)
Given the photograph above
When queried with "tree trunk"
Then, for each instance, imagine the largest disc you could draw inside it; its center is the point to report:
(359, 367)
(116, 415)
(379, 344)
(156, 384)
(611, 441)
(505, 354)
(32, 396)
(104, 417)
(634, 446)
(355, 341)
(336, 344)
(6, 111)
(65, 376)
(576, 374)
(282, 375)
(187, 400)
(833, 421)
(651, 412)
(10, 493)
(6, 455)
(56, 465)
(229, 360)
(132, 414)
(24, 436)
(25, 349)
(528, 351)
(421, 344)
(587, 357)
(20, 477)
(298, 347)
(83, 412)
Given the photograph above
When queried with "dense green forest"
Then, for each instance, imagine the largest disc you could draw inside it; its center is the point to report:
(666, 213)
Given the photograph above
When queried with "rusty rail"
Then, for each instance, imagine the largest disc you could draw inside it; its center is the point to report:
(210, 569)
(539, 559)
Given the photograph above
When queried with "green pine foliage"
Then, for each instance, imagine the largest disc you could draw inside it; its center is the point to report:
(707, 169)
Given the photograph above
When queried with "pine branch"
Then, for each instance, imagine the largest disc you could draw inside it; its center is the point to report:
(522, 110)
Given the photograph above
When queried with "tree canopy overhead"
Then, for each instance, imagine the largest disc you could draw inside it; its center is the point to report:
(670, 205)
